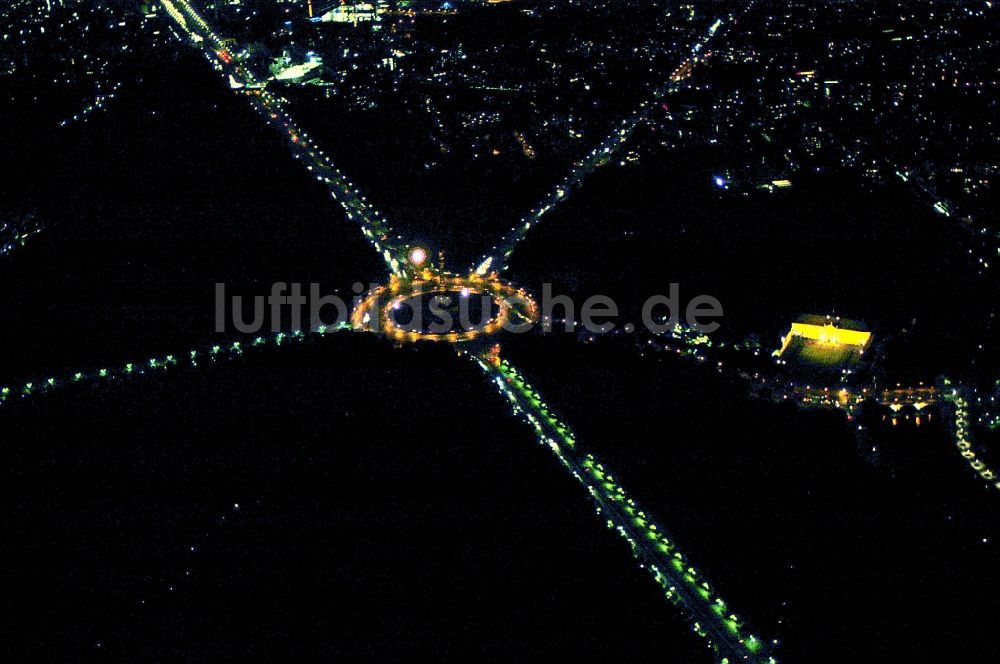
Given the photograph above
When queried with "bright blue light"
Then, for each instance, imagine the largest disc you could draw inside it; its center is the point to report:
(720, 182)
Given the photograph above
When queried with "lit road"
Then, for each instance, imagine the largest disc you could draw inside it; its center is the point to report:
(154, 366)
(496, 258)
(273, 108)
(655, 550)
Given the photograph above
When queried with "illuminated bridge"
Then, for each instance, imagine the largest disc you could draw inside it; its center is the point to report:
(901, 397)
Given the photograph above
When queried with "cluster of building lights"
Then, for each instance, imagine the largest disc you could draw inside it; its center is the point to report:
(17, 234)
(98, 103)
(68, 26)
(599, 156)
(989, 409)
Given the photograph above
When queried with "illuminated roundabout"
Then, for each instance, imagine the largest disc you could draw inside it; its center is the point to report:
(502, 306)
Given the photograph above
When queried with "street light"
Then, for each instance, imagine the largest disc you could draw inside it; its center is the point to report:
(418, 255)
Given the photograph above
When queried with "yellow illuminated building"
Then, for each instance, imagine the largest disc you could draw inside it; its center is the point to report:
(824, 340)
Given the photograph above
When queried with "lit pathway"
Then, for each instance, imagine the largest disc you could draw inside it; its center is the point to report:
(496, 257)
(655, 550)
(154, 366)
(963, 440)
(273, 108)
